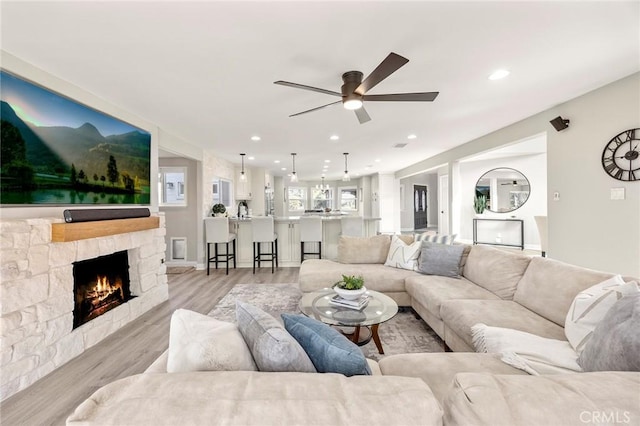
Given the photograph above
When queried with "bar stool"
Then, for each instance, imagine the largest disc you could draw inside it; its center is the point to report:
(310, 231)
(352, 226)
(263, 232)
(217, 232)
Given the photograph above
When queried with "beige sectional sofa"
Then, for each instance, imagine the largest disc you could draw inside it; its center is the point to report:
(460, 388)
(496, 287)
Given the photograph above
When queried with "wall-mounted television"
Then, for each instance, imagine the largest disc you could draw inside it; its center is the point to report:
(56, 151)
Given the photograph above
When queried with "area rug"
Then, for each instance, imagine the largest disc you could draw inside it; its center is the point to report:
(404, 333)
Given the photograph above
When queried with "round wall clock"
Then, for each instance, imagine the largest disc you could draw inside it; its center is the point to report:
(621, 156)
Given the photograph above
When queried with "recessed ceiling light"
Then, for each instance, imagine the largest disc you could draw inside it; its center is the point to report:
(498, 74)
(283, 168)
(334, 137)
(378, 160)
(411, 136)
(255, 138)
(327, 161)
(276, 161)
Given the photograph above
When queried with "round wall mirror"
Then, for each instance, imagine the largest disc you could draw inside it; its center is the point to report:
(506, 189)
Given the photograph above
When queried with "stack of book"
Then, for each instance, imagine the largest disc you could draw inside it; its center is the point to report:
(358, 304)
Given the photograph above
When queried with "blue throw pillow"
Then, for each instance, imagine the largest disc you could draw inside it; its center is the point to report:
(329, 350)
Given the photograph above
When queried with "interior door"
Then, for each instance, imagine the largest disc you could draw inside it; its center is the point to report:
(419, 206)
(443, 204)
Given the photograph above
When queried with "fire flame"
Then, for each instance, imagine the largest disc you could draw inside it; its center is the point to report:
(104, 288)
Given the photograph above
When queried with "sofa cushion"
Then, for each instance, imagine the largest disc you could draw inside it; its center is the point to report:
(316, 274)
(363, 249)
(198, 343)
(402, 255)
(257, 398)
(496, 270)
(440, 259)
(549, 286)
(559, 399)
(590, 306)
(329, 350)
(615, 343)
(272, 347)
(461, 315)
(431, 291)
(438, 369)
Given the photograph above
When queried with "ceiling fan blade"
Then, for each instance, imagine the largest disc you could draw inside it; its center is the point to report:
(362, 115)
(315, 109)
(403, 97)
(302, 86)
(387, 67)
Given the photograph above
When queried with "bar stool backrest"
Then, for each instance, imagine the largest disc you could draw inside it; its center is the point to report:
(262, 229)
(216, 229)
(310, 228)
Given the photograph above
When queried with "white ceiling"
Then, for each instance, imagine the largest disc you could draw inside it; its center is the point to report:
(204, 71)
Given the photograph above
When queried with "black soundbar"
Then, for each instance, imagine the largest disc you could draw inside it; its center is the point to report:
(90, 215)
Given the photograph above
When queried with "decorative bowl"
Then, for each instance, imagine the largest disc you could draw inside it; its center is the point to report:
(350, 294)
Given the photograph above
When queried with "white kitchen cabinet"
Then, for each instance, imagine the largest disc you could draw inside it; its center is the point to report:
(288, 243)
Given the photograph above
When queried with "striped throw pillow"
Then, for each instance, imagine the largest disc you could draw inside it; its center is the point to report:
(435, 238)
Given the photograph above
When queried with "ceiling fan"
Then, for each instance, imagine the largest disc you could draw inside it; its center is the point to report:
(354, 90)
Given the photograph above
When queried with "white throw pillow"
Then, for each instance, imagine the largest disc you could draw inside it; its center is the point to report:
(403, 255)
(200, 343)
(590, 306)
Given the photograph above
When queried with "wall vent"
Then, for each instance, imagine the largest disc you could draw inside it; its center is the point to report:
(400, 145)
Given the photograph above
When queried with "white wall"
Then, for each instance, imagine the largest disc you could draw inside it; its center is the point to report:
(586, 228)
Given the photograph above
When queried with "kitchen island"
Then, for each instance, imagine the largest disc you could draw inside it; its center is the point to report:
(288, 230)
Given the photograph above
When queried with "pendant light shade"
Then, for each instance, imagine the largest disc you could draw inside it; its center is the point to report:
(243, 176)
(346, 177)
(294, 176)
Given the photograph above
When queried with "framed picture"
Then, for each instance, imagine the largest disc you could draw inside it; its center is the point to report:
(56, 151)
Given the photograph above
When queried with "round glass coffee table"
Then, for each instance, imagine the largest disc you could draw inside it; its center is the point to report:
(380, 308)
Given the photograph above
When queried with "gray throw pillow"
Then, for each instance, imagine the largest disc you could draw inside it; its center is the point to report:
(440, 259)
(329, 350)
(272, 347)
(615, 342)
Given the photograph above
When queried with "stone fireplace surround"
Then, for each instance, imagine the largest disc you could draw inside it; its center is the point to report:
(36, 295)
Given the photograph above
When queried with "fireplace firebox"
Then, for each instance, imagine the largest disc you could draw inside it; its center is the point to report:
(100, 284)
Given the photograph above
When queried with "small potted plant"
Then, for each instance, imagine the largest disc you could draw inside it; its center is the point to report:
(480, 204)
(218, 210)
(350, 287)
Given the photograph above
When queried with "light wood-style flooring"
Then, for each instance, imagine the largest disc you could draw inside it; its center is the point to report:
(128, 351)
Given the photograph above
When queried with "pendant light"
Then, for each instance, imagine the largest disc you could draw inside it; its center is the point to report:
(294, 176)
(243, 176)
(346, 177)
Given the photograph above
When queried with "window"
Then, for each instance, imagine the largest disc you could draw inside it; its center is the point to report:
(221, 190)
(172, 186)
(322, 198)
(348, 199)
(297, 198)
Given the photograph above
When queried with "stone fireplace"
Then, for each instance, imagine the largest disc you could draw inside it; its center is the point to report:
(37, 325)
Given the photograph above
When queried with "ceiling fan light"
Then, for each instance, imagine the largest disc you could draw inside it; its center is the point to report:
(352, 104)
